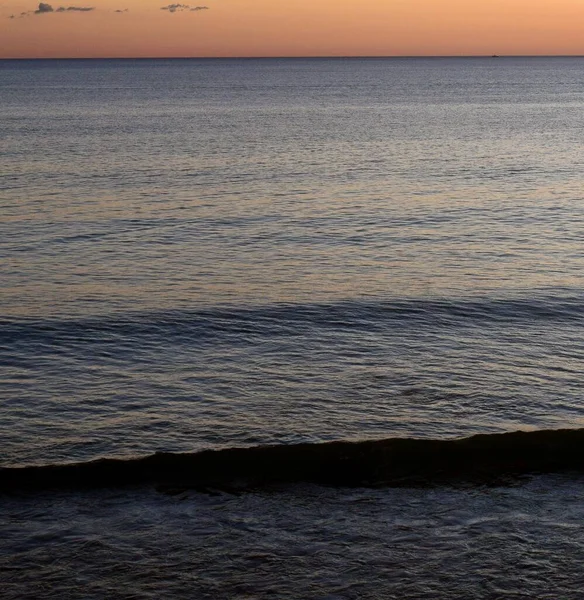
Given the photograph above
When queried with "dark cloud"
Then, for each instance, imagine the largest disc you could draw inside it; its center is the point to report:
(175, 7)
(121, 10)
(75, 8)
(43, 8)
(183, 7)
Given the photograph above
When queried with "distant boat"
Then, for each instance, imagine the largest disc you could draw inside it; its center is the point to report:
(495, 56)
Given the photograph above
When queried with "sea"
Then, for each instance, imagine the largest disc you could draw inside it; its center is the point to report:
(204, 254)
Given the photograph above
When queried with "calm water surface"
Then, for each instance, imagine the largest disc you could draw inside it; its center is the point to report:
(229, 252)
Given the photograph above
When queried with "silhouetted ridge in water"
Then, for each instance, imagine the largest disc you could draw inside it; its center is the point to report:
(487, 458)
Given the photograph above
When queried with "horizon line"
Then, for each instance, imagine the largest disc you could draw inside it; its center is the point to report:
(292, 57)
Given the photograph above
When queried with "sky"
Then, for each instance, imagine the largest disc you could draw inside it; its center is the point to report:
(152, 28)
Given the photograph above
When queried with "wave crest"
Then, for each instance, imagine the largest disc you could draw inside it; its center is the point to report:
(483, 459)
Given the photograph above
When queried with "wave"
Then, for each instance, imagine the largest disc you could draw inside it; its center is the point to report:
(295, 318)
(395, 462)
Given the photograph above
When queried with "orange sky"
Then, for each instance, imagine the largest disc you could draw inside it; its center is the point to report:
(293, 28)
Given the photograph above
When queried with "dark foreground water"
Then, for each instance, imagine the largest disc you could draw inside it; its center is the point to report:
(301, 542)
(207, 254)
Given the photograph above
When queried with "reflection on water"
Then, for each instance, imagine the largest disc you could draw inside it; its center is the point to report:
(216, 253)
(251, 182)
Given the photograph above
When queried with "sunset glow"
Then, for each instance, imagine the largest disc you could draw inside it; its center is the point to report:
(144, 28)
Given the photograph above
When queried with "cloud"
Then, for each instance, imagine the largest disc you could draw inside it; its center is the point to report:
(75, 8)
(183, 7)
(43, 8)
(121, 10)
(175, 7)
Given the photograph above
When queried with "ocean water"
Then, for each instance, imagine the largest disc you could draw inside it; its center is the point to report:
(213, 253)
